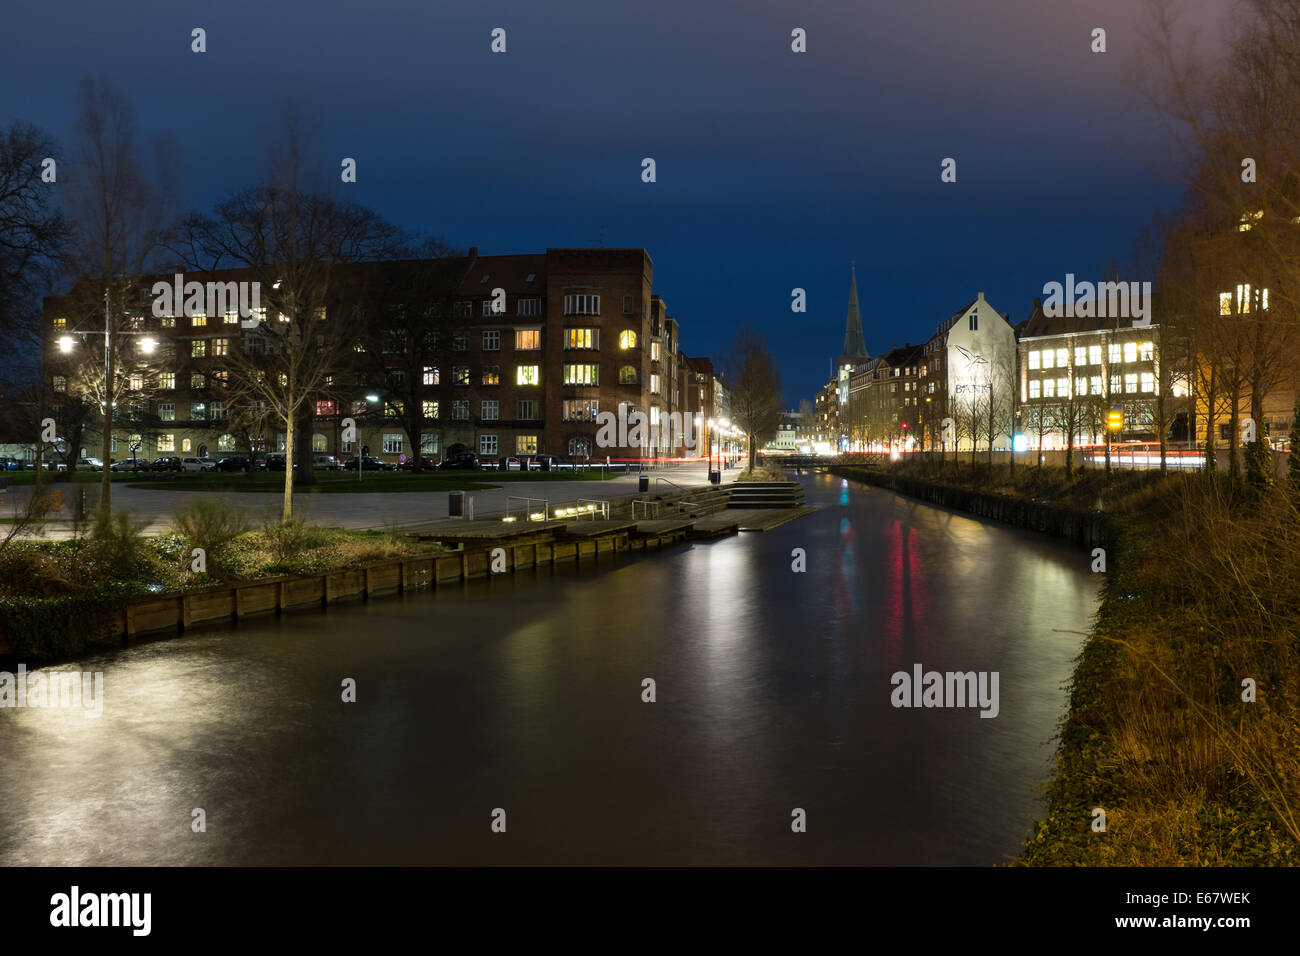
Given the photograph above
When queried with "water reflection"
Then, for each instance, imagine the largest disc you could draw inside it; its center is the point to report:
(524, 692)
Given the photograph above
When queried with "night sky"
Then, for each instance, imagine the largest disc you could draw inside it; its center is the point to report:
(775, 169)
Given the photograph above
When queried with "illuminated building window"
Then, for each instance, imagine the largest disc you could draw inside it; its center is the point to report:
(527, 375)
(627, 339)
(1035, 361)
(527, 339)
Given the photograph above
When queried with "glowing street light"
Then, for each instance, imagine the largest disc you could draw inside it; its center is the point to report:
(66, 343)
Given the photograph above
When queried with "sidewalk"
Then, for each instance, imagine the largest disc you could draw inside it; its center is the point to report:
(364, 509)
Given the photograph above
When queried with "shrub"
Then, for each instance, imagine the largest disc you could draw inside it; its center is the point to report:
(117, 545)
(211, 524)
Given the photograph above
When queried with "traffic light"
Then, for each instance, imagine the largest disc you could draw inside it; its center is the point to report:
(1115, 419)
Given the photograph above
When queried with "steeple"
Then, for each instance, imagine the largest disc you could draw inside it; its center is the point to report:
(854, 345)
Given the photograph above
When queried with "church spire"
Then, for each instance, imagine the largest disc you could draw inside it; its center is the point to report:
(854, 345)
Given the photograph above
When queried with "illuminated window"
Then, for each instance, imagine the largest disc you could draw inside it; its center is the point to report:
(1049, 358)
(1243, 298)
(167, 322)
(60, 383)
(186, 445)
(491, 374)
(1148, 382)
(1114, 351)
(198, 348)
(258, 314)
(60, 325)
(230, 318)
(581, 374)
(656, 352)
(525, 444)
(1130, 383)
(655, 385)
(1049, 388)
(220, 346)
(166, 442)
(628, 375)
(1080, 355)
(1080, 386)
(1035, 361)
(393, 443)
(1062, 358)
(1094, 385)
(1146, 351)
(460, 374)
(198, 380)
(429, 408)
(1094, 354)
(221, 378)
(198, 320)
(134, 382)
(225, 443)
(627, 339)
(527, 375)
(167, 380)
(579, 338)
(430, 375)
(217, 410)
(1062, 388)
(1225, 303)
(198, 411)
(1130, 351)
(325, 408)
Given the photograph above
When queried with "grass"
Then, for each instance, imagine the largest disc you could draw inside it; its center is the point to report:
(343, 482)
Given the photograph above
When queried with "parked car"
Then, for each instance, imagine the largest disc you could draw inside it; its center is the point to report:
(232, 464)
(10, 464)
(326, 462)
(198, 464)
(512, 463)
(90, 463)
(465, 460)
(545, 462)
(368, 463)
(425, 462)
(275, 463)
(165, 464)
(130, 464)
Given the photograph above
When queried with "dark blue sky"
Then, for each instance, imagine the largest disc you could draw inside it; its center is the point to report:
(774, 169)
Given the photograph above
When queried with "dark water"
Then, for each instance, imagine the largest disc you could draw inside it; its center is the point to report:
(524, 693)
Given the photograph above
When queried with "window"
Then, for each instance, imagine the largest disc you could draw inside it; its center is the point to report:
(359, 408)
(221, 346)
(397, 378)
(167, 411)
(1130, 351)
(1225, 431)
(462, 310)
(217, 410)
(1130, 383)
(134, 381)
(325, 408)
(580, 338)
(167, 380)
(628, 375)
(230, 318)
(491, 374)
(1035, 361)
(460, 342)
(460, 374)
(490, 411)
(428, 444)
(487, 444)
(655, 386)
(1062, 358)
(1114, 352)
(394, 409)
(185, 445)
(1146, 351)
(492, 341)
(489, 307)
(394, 341)
(429, 408)
(1094, 354)
(198, 380)
(430, 375)
(1225, 303)
(166, 442)
(974, 321)
(225, 443)
(198, 320)
(527, 375)
(526, 339)
(581, 374)
(582, 305)
(1080, 386)
(198, 349)
(320, 313)
(60, 325)
(167, 322)
(318, 442)
(581, 410)
(258, 314)
(526, 410)
(579, 448)
(656, 352)
(198, 411)
(525, 444)
(393, 443)
(1062, 388)
(460, 410)
(60, 383)
(1049, 358)
(627, 339)
(528, 307)
(629, 305)
(1094, 385)
(1049, 388)
(1148, 381)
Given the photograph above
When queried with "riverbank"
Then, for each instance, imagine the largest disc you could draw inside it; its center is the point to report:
(1180, 743)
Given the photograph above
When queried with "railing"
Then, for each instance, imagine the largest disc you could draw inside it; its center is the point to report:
(527, 509)
(585, 508)
(645, 503)
(673, 483)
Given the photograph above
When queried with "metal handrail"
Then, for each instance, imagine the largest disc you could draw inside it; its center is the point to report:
(647, 503)
(671, 482)
(528, 507)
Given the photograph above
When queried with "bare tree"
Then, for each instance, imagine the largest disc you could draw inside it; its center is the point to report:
(754, 381)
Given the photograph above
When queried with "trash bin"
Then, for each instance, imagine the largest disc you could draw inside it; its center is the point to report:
(715, 477)
(456, 504)
(643, 483)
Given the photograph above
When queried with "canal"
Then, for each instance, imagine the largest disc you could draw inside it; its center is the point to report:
(524, 692)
